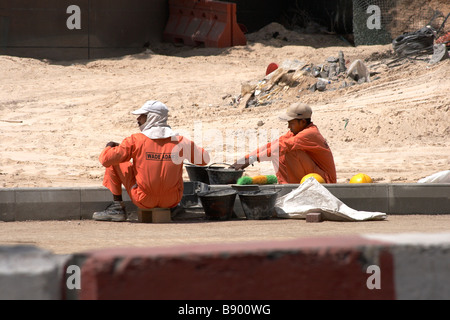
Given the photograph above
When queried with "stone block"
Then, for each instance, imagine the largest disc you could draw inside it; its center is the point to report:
(155, 215)
(314, 217)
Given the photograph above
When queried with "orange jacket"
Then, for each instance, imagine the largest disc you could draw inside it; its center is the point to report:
(309, 141)
(157, 164)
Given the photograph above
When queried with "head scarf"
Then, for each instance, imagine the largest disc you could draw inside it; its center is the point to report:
(156, 127)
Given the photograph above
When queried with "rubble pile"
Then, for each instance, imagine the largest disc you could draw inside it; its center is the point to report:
(333, 74)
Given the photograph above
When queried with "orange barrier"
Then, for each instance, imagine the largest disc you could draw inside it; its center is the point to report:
(197, 22)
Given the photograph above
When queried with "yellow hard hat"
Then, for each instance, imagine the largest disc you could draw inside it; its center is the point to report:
(316, 176)
(361, 178)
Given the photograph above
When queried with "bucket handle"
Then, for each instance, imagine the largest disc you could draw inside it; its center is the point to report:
(191, 164)
(271, 190)
(258, 191)
(212, 192)
(219, 163)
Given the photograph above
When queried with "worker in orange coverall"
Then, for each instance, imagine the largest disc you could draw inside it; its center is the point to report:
(148, 164)
(301, 151)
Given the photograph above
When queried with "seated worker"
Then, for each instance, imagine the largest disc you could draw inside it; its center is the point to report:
(301, 151)
(148, 164)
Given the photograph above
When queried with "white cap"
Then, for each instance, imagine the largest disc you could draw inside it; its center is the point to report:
(152, 106)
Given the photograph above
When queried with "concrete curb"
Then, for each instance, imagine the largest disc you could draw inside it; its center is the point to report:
(20, 204)
(79, 203)
(30, 273)
(368, 266)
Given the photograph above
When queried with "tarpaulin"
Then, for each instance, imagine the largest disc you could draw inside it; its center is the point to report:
(311, 196)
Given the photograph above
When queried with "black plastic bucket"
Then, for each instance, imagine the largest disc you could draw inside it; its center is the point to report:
(198, 173)
(258, 205)
(191, 189)
(218, 205)
(224, 175)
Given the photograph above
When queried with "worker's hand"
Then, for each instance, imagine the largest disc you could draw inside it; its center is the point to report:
(240, 164)
(112, 144)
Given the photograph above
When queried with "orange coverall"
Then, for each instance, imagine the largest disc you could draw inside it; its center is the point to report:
(154, 177)
(298, 155)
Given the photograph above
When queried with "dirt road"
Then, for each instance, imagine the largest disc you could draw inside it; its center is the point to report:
(66, 237)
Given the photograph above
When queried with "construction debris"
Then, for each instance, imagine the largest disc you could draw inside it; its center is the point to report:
(281, 79)
(358, 71)
(415, 43)
(331, 75)
(424, 42)
(445, 39)
(440, 53)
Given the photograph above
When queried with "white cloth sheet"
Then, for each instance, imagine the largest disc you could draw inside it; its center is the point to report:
(311, 196)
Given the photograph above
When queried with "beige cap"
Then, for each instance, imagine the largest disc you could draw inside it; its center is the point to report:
(296, 110)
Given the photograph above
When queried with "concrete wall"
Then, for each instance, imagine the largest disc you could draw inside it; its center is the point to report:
(108, 28)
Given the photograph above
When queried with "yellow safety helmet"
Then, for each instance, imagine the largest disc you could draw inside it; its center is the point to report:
(316, 176)
(361, 178)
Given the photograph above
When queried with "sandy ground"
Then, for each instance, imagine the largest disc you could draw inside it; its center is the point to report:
(55, 118)
(67, 237)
